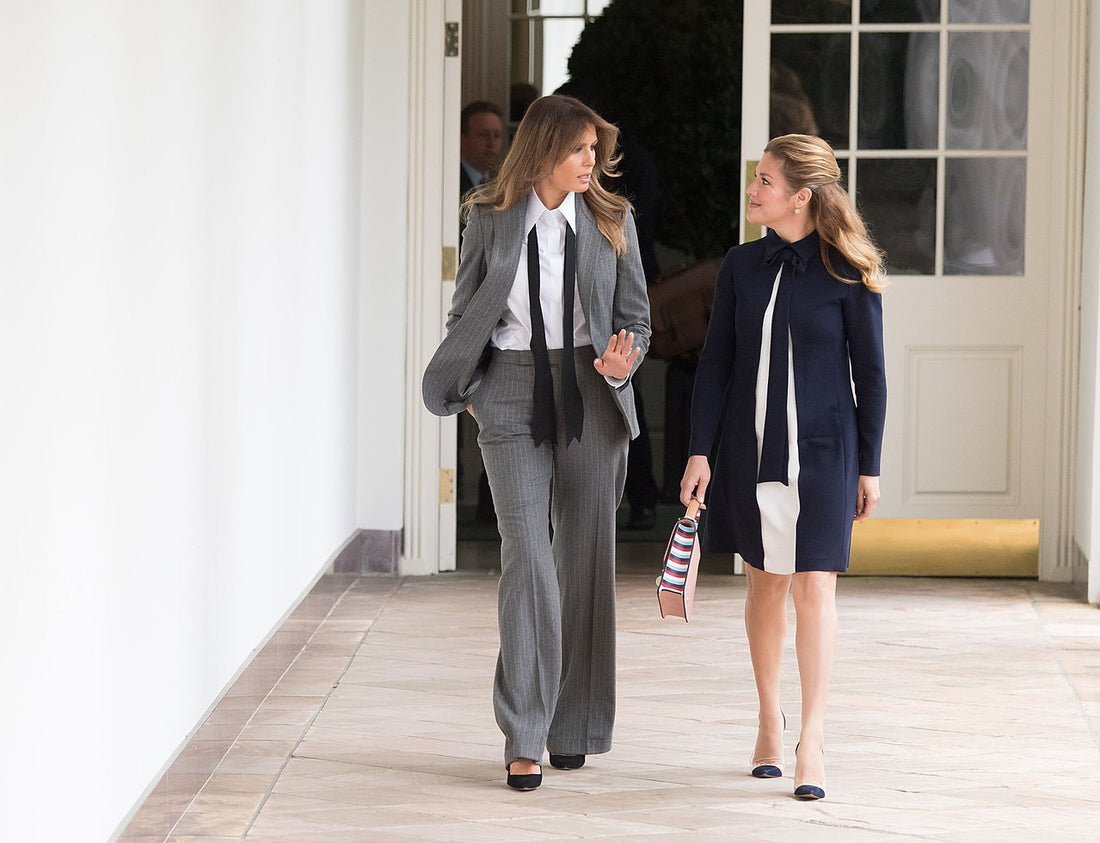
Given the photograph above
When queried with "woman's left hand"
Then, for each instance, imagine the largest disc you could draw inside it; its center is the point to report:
(867, 496)
(618, 359)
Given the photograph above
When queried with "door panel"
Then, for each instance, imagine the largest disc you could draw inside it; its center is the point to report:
(959, 430)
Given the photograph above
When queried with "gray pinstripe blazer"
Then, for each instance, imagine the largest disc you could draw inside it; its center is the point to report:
(612, 293)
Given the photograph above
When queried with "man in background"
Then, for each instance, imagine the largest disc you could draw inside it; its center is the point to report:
(481, 144)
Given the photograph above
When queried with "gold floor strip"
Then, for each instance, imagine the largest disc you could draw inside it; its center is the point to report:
(946, 547)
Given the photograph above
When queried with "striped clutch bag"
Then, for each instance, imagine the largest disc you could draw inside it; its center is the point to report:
(676, 585)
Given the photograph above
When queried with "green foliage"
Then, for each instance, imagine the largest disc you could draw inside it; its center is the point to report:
(668, 72)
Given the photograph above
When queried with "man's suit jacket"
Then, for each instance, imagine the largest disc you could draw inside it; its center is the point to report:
(612, 293)
(465, 183)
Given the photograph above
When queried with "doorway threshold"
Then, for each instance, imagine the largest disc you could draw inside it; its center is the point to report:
(946, 547)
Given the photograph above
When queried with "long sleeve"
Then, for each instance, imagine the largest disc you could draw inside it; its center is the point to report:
(863, 326)
(631, 300)
(715, 369)
(471, 267)
(455, 370)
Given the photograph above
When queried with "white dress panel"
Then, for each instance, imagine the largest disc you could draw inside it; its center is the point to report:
(779, 504)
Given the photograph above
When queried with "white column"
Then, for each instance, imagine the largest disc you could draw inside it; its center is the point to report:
(432, 224)
(1059, 50)
(1087, 511)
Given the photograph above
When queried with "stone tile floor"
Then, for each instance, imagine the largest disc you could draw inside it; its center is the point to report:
(960, 710)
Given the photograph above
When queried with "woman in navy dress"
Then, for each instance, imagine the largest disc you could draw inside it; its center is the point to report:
(797, 321)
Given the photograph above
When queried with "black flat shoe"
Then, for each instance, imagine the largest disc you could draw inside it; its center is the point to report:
(524, 781)
(566, 762)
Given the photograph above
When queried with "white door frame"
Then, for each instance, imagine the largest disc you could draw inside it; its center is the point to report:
(434, 91)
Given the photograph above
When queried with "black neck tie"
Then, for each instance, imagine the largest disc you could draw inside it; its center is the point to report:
(774, 450)
(570, 392)
(543, 423)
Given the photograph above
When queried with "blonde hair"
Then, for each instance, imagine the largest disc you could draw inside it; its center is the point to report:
(809, 162)
(546, 136)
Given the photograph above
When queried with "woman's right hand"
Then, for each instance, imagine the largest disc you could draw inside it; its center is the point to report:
(695, 480)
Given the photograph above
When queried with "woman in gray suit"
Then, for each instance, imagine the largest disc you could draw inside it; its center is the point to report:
(549, 387)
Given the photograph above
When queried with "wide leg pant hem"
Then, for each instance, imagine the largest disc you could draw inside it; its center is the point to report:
(591, 748)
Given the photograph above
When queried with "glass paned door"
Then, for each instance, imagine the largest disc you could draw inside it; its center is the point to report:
(941, 104)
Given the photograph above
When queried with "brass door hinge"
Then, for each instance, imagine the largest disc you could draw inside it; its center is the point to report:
(446, 485)
(450, 39)
(450, 263)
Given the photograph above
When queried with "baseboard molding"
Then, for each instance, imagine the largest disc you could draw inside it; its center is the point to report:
(158, 811)
(372, 552)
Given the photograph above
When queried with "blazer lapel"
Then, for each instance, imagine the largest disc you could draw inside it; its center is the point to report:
(588, 237)
(500, 274)
(509, 239)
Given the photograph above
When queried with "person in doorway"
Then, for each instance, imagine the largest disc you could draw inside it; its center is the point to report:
(548, 322)
(639, 183)
(520, 97)
(480, 143)
(797, 321)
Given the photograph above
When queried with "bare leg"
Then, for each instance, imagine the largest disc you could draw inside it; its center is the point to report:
(815, 643)
(766, 626)
(523, 767)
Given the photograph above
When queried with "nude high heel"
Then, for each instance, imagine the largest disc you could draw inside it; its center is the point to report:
(769, 768)
(807, 791)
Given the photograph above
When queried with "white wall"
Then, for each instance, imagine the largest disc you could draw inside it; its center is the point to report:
(179, 319)
(1087, 510)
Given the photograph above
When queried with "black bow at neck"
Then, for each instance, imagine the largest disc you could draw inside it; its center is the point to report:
(795, 255)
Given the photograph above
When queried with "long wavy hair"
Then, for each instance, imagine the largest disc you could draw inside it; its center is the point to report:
(809, 162)
(546, 136)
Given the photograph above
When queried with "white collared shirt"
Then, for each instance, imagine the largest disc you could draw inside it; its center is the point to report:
(513, 331)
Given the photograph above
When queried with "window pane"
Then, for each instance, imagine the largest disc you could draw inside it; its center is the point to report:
(984, 209)
(898, 90)
(809, 85)
(596, 7)
(987, 90)
(899, 11)
(811, 11)
(558, 38)
(897, 197)
(556, 7)
(990, 11)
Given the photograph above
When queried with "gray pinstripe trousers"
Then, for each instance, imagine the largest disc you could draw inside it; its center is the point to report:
(555, 675)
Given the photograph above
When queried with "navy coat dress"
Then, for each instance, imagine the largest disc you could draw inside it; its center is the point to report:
(835, 342)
